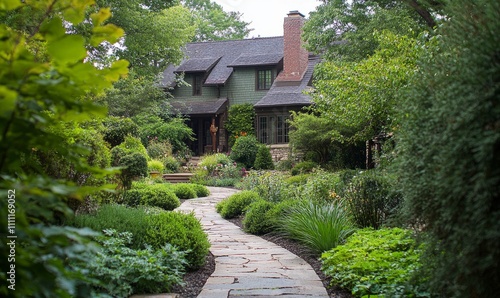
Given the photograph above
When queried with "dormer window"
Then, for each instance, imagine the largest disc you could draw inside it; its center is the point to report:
(264, 79)
(197, 78)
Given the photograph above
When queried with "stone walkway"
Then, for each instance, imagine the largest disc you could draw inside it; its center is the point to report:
(247, 265)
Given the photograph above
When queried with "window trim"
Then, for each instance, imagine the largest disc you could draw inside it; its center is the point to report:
(271, 128)
(257, 71)
(195, 77)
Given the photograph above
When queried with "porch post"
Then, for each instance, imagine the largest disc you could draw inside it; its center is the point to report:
(213, 132)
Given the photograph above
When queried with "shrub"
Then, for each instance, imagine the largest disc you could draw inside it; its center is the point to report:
(240, 121)
(284, 165)
(117, 128)
(371, 200)
(271, 186)
(222, 182)
(157, 195)
(159, 150)
(133, 145)
(184, 191)
(201, 190)
(320, 185)
(378, 262)
(181, 230)
(135, 165)
(320, 227)
(263, 159)
(171, 164)
(236, 204)
(213, 161)
(257, 219)
(297, 180)
(155, 165)
(303, 167)
(124, 271)
(244, 150)
(118, 217)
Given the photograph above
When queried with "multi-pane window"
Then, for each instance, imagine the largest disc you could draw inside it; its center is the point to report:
(264, 79)
(273, 129)
(197, 84)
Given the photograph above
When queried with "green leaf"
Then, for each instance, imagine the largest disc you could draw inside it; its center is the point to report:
(7, 100)
(52, 29)
(109, 32)
(9, 4)
(102, 15)
(67, 49)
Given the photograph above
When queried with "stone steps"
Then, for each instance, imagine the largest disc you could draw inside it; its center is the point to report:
(178, 177)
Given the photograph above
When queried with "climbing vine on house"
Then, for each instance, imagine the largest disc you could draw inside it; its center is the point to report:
(240, 122)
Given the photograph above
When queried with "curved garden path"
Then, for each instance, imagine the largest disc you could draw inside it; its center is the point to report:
(247, 265)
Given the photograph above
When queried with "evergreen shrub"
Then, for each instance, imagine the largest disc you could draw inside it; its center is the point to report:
(236, 204)
(263, 159)
(303, 167)
(257, 219)
(157, 195)
(181, 230)
(117, 128)
(155, 165)
(245, 150)
(184, 191)
(201, 190)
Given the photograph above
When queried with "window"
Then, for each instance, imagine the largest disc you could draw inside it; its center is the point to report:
(197, 84)
(264, 79)
(273, 129)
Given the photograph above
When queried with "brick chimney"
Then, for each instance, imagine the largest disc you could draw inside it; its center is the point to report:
(296, 56)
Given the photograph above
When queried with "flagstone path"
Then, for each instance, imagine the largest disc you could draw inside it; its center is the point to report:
(247, 265)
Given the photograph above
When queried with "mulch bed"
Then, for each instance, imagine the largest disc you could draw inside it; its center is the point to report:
(194, 281)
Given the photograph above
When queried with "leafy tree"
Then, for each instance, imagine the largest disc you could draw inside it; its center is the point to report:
(360, 97)
(213, 23)
(36, 96)
(448, 150)
(341, 29)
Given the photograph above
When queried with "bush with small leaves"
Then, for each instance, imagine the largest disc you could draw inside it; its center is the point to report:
(184, 191)
(159, 150)
(117, 128)
(263, 159)
(157, 195)
(181, 230)
(171, 164)
(236, 204)
(201, 190)
(303, 167)
(136, 166)
(257, 219)
(155, 165)
(245, 150)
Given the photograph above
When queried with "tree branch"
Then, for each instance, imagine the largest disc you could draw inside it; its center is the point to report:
(423, 12)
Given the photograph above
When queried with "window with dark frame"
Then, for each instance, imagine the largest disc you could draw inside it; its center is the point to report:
(197, 85)
(273, 129)
(264, 79)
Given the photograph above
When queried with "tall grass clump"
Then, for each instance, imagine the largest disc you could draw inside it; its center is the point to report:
(320, 227)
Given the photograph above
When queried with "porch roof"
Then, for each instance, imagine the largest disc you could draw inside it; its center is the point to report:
(203, 107)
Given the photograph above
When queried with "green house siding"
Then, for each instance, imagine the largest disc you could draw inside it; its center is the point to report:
(186, 92)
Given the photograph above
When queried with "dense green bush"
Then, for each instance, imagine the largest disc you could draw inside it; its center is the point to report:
(257, 220)
(303, 167)
(240, 121)
(201, 190)
(155, 165)
(236, 204)
(320, 185)
(380, 262)
(371, 199)
(133, 145)
(159, 150)
(171, 164)
(184, 191)
(124, 271)
(449, 146)
(135, 166)
(284, 165)
(297, 180)
(245, 150)
(117, 128)
(117, 217)
(157, 195)
(320, 227)
(213, 162)
(263, 159)
(182, 230)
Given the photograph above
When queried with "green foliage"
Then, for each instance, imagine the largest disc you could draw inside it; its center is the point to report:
(184, 191)
(448, 151)
(371, 199)
(304, 167)
(240, 121)
(158, 195)
(159, 150)
(32, 83)
(236, 204)
(133, 145)
(124, 271)
(320, 227)
(213, 23)
(380, 262)
(135, 166)
(349, 93)
(297, 180)
(257, 220)
(319, 186)
(263, 159)
(181, 230)
(116, 217)
(284, 165)
(245, 150)
(155, 165)
(201, 190)
(214, 162)
(171, 164)
(175, 131)
(270, 186)
(116, 129)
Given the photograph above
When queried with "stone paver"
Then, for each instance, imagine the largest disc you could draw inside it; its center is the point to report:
(247, 265)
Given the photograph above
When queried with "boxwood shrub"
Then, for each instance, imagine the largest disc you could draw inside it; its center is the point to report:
(201, 190)
(257, 220)
(158, 195)
(236, 204)
(184, 191)
(181, 230)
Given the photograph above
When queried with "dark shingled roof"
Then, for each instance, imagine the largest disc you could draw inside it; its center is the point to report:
(268, 49)
(197, 65)
(205, 106)
(251, 60)
(289, 95)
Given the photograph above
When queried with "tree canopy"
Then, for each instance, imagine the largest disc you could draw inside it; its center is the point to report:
(213, 23)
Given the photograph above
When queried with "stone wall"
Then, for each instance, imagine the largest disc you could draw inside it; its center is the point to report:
(280, 152)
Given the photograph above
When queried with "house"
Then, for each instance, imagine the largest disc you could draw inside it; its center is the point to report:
(270, 73)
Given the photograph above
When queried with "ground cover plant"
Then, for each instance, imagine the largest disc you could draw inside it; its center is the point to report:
(376, 262)
(236, 204)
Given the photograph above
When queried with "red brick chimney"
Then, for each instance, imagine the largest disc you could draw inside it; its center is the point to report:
(295, 56)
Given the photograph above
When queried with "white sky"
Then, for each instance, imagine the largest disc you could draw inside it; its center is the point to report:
(266, 16)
